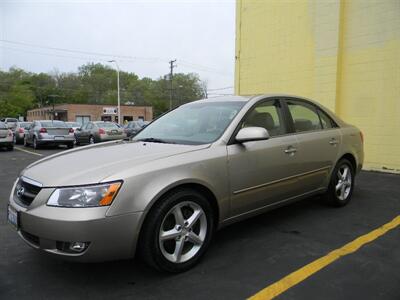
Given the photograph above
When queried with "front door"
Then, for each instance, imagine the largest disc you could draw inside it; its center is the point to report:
(263, 172)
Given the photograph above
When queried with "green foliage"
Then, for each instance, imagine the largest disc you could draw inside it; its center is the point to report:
(92, 83)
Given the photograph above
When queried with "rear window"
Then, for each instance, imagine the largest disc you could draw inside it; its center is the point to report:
(54, 124)
(25, 125)
(107, 125)
(73, 124)
(12, 120)
(3, 126)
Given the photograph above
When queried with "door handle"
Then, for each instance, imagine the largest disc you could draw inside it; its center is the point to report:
(290, 150)
(333, 142)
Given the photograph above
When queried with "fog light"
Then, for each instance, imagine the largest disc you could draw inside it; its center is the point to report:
(78, 246)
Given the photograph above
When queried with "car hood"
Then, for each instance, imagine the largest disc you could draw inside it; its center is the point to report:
(92, 164)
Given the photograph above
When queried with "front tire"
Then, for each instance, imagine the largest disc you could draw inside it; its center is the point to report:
(341, 185)
(91, 140)
(177, 231)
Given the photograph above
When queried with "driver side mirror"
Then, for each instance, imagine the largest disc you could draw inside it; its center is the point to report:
(248, 134)
(78, 129)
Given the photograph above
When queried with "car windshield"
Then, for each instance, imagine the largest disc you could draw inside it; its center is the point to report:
(3, 126)
(107, 125)
(53, 124)
(194, 124)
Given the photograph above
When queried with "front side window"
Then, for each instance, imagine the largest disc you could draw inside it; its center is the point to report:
(194, 123)
(304, 116)
(266, 115)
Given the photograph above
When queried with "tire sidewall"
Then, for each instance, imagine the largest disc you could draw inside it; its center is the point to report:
(332, 196)
(155, 219)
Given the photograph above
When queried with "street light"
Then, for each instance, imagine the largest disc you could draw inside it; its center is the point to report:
(119, 102)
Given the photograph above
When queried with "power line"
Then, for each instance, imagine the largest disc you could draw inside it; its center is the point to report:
(223, 88)
(107, 55)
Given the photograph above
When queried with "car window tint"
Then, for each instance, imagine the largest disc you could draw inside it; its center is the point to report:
(326, 121)
(267, 115)
(305, 117)
(54, 124)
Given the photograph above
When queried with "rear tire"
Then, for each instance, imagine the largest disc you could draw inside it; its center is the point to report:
(170, 241)
(25, 142)
(70, 145)
(341, 185)
(10, 148)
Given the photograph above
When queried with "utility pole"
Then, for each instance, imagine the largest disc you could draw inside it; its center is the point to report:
(118, 97)
(171, 75)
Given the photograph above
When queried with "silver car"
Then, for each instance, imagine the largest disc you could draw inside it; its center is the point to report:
(19, 132)
(98, 131)
(6, 137)
(197, 168)
(48, 132)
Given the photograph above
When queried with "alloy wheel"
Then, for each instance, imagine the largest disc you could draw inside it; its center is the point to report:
(183, 232)
(343, 182)
(91, 140)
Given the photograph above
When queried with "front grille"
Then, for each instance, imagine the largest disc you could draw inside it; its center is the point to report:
(26, 192)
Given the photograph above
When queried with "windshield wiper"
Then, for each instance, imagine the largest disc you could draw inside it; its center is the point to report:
(155, 140)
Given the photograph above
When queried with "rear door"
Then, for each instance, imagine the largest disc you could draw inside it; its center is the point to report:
(318, 139)
(263, 172)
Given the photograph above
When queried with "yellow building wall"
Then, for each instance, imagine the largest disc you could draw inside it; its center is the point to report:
(342, 53)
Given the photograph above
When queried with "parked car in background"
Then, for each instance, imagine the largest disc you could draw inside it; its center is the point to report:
(19, 132)
(73, 125)
(132, 128)
(48, 132)
(98, 131)
(6, 137)
(10, 122)
(201, 166)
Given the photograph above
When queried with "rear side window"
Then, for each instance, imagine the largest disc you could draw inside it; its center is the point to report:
(326, 121)
(304, 116)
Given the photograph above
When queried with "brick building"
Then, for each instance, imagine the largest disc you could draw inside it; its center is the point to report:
(343, 53)
(83, 113)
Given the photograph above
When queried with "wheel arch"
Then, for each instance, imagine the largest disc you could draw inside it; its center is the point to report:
(199, 187)
(351, 158)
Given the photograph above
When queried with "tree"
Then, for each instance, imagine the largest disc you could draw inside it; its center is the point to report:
(93, 83)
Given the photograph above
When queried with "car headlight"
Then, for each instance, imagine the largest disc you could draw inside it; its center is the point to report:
(85, 196)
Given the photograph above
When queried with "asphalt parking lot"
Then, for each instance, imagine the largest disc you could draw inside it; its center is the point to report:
(243, 259)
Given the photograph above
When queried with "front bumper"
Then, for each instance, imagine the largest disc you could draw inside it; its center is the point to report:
(48, 228)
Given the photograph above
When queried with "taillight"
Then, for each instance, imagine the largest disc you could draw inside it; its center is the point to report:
(101, 131)
(362, 137)
(43, 130)
(21, 130)
(10, 133)
(71, 130)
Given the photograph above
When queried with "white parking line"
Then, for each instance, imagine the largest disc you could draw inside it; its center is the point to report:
(27, 151)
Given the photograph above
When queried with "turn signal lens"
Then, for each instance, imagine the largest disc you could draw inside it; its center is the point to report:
(110, 194)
